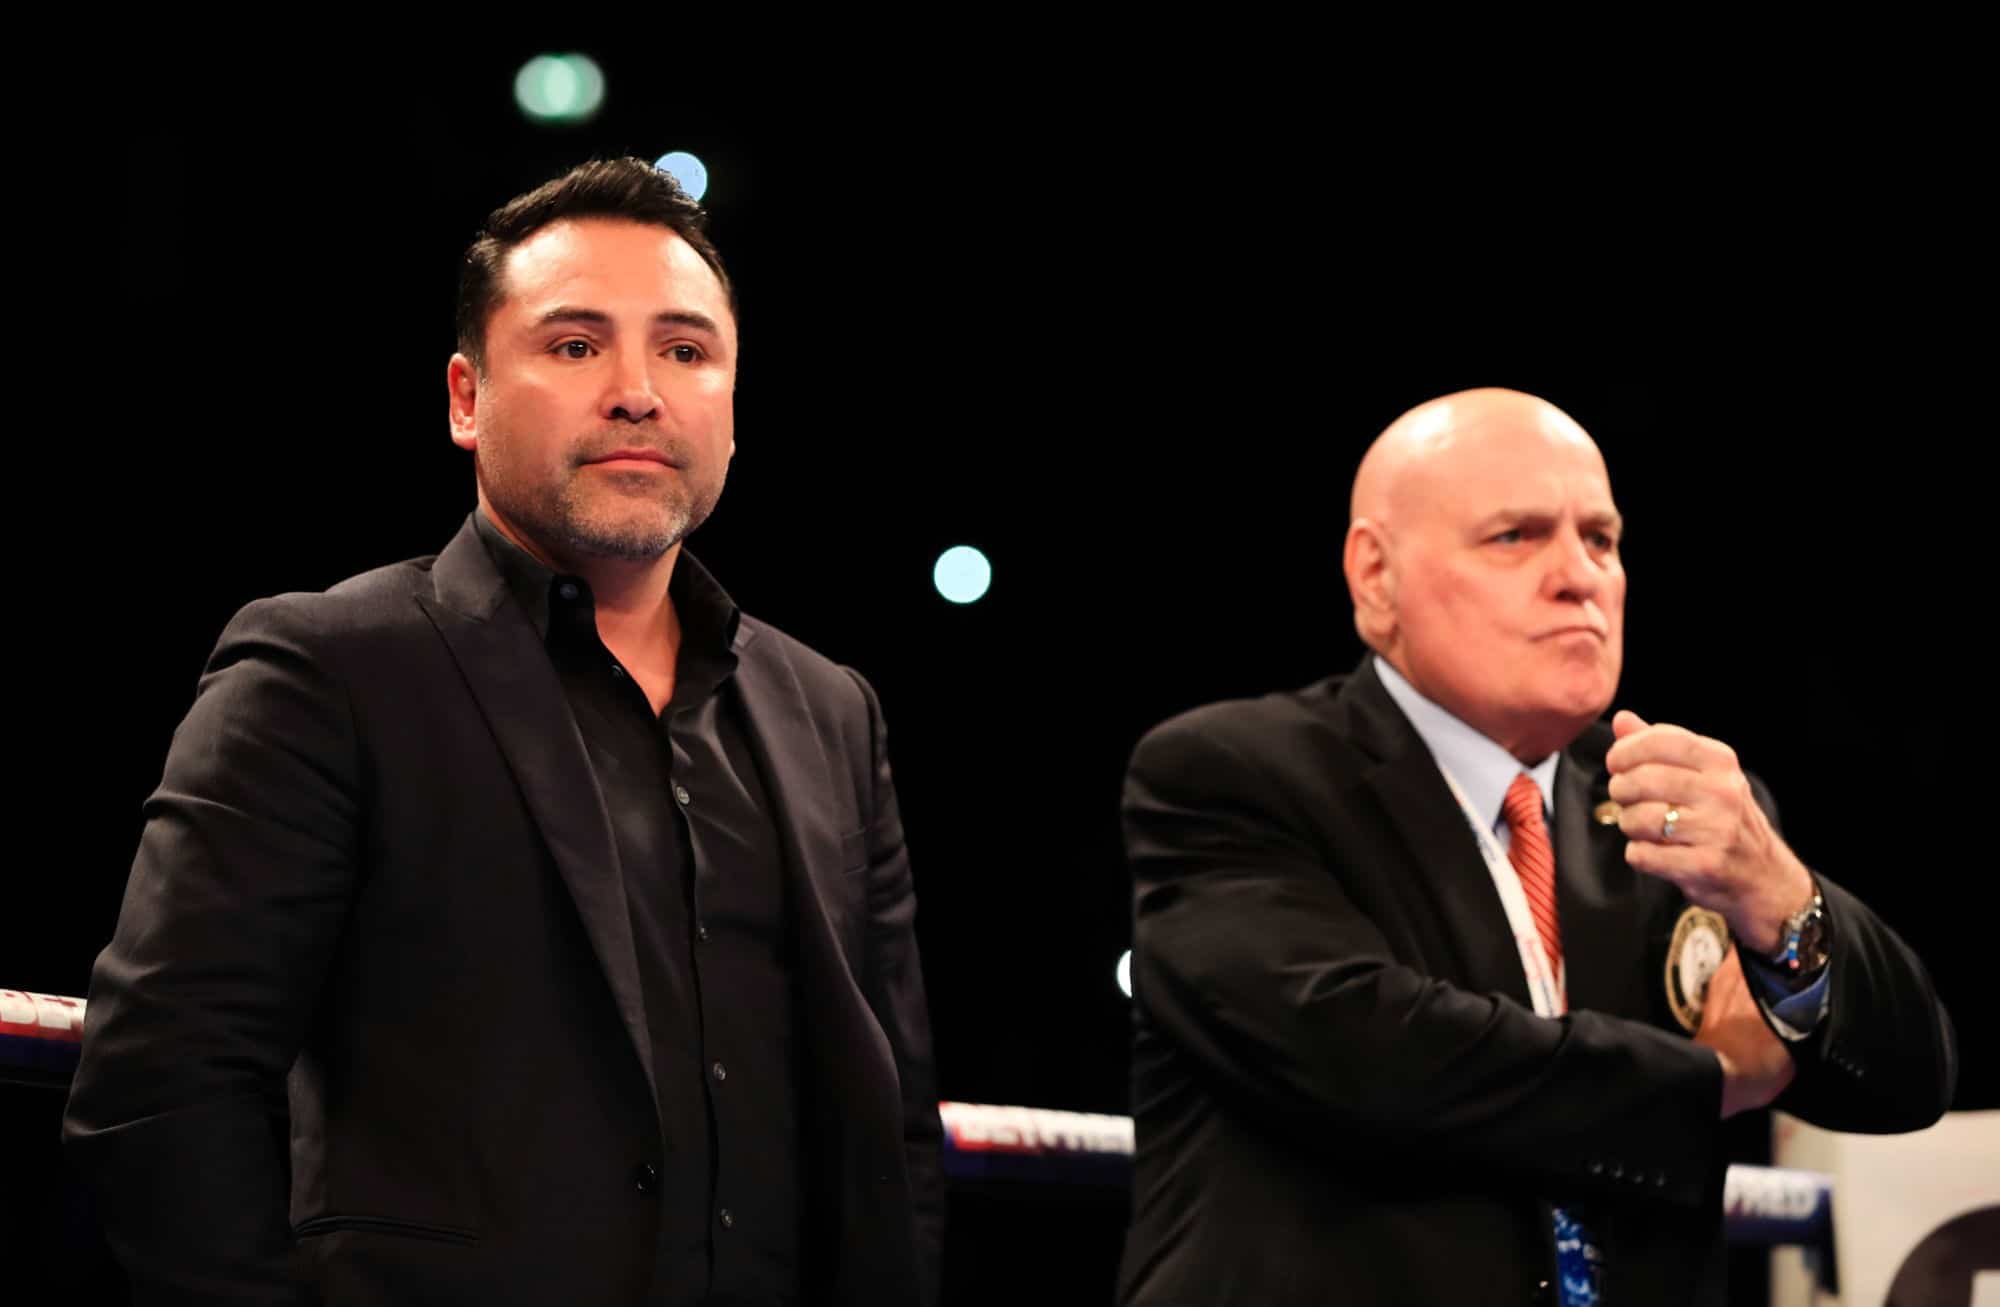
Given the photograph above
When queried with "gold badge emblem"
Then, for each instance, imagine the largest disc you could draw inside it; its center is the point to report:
(1700, 943)
(1606, 813)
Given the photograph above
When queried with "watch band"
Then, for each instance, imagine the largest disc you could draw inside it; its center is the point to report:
(1802, 939)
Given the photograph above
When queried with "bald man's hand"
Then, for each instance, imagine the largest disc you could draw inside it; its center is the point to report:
(1724, 853)
(1756, 1066)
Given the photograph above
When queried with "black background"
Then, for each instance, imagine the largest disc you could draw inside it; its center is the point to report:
(1130, 342)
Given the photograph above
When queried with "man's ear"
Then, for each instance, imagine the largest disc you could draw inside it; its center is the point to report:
(462, 380)
(1371, 581)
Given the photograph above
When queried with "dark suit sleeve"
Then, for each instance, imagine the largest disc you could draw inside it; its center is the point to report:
(1251, 957)
(177, 1115)
(894, 986)
(1884, 1058)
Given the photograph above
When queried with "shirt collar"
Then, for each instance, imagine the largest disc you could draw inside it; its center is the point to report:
(709, 617)
(1482, 768)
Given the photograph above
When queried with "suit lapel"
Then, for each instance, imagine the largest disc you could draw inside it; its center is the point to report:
(1442, 854)
(802, 781)
(847, 1053)
(1595, 893)
(511, 677)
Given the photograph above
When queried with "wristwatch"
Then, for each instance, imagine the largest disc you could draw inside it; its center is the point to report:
(1802, 939)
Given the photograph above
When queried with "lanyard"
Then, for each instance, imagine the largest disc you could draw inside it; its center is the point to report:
(1545, 984)
(1577, 1258)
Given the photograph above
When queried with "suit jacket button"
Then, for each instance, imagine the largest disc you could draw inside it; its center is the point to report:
(646, 1178)
(1545, 1293)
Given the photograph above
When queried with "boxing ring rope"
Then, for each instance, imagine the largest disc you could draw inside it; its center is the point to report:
(1762, 1205)
(41, 1035)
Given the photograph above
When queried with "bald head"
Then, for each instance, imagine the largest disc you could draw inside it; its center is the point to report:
(1447, 438)
(1482, 557)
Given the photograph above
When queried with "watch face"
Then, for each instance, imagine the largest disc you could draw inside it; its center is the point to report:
(1812, 940)
(1805, 938)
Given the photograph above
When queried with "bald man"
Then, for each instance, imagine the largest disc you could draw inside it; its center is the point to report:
(1444, 986)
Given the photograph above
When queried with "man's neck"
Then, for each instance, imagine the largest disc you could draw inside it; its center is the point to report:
(632, 600)
(1531, 741)
(1477, 761)
(635, 609)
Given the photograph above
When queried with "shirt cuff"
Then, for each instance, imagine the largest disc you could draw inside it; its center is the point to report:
(1794, 1015)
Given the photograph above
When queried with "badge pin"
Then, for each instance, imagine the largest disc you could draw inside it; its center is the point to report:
(1700, 943)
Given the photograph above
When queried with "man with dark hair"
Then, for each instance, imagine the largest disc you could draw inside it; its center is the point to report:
(555, 909)
(615, 188)
(1443, 987)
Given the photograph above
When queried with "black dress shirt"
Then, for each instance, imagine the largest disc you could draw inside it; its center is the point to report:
(704, 883)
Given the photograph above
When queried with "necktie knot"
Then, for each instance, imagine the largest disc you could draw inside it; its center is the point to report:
(1523, 804)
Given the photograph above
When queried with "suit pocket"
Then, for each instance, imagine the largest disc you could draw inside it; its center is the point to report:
(319, 1225)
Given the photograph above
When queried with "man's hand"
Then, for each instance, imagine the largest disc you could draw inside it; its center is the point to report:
(1723, 852)
(1756, 1066)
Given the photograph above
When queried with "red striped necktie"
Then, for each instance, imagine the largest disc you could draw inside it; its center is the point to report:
(1534, 861)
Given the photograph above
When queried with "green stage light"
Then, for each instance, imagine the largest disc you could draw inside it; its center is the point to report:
(559, 88)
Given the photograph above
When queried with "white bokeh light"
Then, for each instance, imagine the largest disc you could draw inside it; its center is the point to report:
(962, 574)
(686, 169)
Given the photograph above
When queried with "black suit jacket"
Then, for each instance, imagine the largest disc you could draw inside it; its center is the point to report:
(1341, 1090)
(378, 904)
